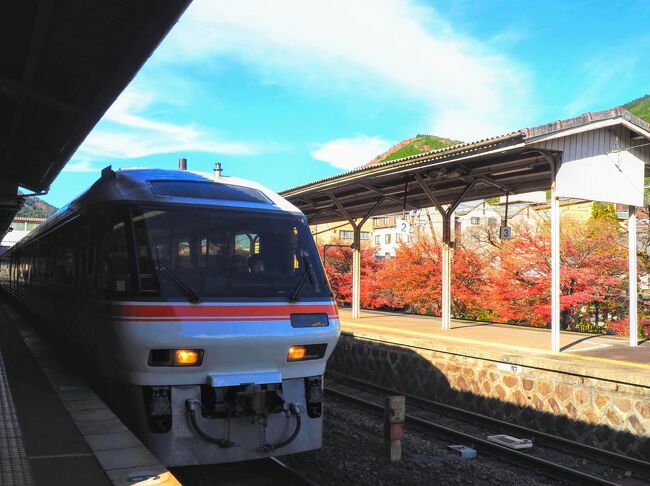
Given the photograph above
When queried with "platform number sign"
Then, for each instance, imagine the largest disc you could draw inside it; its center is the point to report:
(505, 232)
(403, 227)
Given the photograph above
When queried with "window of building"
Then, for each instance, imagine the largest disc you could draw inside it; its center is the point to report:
(386, 221)
(387, 239)
(365, 235)
(492, 221)
(398, 238)
(377, 240)
(346, 235)
(475, 220)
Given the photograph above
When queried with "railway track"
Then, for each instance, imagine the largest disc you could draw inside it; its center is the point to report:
(262, 472)
(529, 460)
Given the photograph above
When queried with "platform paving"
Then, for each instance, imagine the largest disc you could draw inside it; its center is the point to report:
(591, 355)
(62, 432)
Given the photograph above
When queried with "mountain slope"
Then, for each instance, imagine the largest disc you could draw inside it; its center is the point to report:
(36, 208)
(640, 107)
(413, 146)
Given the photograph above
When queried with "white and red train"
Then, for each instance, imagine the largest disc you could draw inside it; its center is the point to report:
(202, 300)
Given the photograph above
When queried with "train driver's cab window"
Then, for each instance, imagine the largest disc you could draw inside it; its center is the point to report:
(182, 253)
(225, 253)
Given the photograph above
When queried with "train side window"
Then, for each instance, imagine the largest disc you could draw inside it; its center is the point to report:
(113, 268)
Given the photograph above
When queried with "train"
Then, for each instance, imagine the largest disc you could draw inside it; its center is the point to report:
(200, 299)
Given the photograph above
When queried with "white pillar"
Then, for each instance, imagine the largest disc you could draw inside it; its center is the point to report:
(555, 271)
(356, 274)
(631, 245)
(446, 285)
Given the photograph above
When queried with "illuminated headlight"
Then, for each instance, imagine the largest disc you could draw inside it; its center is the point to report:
(175, 357)
(309, 320)
(304, 352)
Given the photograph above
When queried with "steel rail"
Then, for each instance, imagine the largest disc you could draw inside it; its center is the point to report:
(638, 466)
(285, 472)
(540, 466)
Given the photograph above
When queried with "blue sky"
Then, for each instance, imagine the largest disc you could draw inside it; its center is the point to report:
(286, 92)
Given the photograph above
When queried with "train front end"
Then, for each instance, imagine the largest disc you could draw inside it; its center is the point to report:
(220, 324)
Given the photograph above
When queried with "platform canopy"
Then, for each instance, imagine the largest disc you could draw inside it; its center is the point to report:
(514, 163)
(596, 156)
(63, 64)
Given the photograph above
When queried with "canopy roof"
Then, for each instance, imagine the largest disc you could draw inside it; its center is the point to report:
(63, 64)
(508, 163)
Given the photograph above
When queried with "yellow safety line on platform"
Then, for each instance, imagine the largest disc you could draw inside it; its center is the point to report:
(513, 347)
(608, 360)
(447, 338)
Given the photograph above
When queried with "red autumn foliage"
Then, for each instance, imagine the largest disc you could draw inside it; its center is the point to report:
(338, 267)
(414, 278)
(508, 284)
(592, 268)
(621, 327)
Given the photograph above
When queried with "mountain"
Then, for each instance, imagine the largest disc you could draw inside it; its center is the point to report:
(640, 107)
(36, 208)
(413, 146)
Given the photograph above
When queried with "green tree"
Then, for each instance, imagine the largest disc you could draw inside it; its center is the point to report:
(604, 211)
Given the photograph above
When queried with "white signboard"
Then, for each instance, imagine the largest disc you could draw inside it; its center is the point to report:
(615, 177)
(505, 232)
(403, 227)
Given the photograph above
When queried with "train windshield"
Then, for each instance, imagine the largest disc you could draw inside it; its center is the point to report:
(199, 253)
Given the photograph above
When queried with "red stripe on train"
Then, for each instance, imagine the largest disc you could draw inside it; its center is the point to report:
(134, 311)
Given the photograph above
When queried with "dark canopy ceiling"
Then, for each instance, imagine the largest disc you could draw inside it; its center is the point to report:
(63, 63)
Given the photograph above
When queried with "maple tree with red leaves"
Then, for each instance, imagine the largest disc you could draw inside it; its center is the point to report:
(593, 266)
(338, 267)
(414, 278)
(510, 283)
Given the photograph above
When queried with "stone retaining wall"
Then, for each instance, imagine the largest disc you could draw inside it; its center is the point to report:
(593, 411)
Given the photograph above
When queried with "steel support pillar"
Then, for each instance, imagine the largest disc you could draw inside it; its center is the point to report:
(356, 251)
(555, 268)
(447, 257)
(631, 245)
(447, 245)
(356, 273)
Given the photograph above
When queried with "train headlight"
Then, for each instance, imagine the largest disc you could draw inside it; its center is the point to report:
(187, 357)
(296, 353)
(305, 352)
(309, 320)
(175, 357)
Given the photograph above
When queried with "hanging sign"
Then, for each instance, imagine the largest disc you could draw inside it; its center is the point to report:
(403, 227)
(505, 232)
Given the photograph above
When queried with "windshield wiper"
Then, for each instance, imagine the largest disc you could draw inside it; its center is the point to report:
(179, 284)
(295, 295)
(176, 281)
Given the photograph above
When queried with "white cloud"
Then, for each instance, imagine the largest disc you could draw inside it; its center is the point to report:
(374, 47)
(77, 165)
(130, 133)
(349, 153)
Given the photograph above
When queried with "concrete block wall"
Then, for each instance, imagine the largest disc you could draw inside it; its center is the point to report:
(595, 411)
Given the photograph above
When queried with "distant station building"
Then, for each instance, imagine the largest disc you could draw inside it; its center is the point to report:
(20, 227)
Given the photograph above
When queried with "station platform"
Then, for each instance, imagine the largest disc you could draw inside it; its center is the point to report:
(599, 356)
(54, 430)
